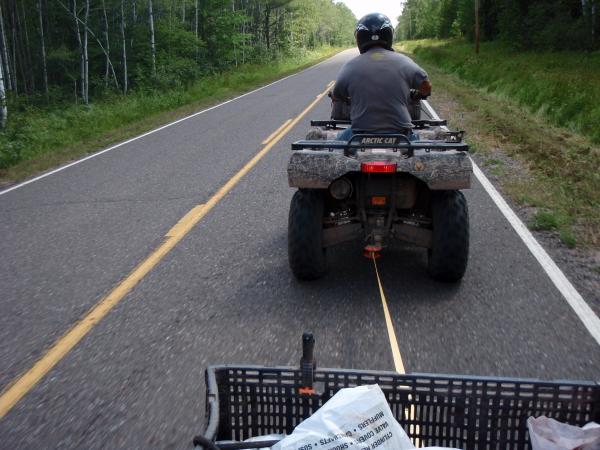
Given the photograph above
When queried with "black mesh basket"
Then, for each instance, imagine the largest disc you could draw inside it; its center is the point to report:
(434, 410)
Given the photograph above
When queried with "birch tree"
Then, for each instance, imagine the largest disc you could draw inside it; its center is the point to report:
(54, 46)
(3, 108)
(107, 45)
(196, 21)
(133, 18)
(85, 52)
(26, 48)
(14, 54)
(9, 80)
(123, 24)
(152, 42)
(43, 47)
(80, 46)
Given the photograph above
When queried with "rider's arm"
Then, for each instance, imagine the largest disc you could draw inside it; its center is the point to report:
(340, 89)
(420, 84)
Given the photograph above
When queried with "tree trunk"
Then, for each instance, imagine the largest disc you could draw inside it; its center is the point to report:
(133, 20)
(6, 60)
(268, 26)
(27, 46)
(3, 108)
(196, 32)
(196, 21)
(244, 35)
(124, 48)
(14, 55)
(107, 65)
(477, 26)
(594, 22)
(235, 58)
(152, 42)
(43, 45)
(86, 99)
(88, 30)
(80, 45)
(182, 11)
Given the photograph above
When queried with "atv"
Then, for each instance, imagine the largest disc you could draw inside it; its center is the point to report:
(380, 188)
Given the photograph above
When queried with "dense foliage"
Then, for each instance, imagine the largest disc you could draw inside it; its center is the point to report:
(526, 24)
(78, 50)
(71, 70)
(548, 83)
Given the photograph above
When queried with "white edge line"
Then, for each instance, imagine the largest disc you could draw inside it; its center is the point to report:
(52, 172)
(571, 295)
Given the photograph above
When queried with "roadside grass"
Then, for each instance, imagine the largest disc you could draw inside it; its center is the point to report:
(563, 87)
(38, 140)
(557, 177)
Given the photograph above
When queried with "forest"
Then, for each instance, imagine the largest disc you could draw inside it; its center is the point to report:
(524, 24)
(78, 51)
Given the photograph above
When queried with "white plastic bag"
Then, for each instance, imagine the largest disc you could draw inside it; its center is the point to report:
(549, 434)
(353, 419)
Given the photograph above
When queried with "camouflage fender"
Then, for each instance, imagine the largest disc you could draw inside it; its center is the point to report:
(449, 170)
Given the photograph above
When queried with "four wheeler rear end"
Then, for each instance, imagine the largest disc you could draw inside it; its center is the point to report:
(380, 188)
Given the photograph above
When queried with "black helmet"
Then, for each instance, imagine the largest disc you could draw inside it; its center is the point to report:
(374, 29)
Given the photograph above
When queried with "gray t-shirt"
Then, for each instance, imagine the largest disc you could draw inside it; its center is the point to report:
(378, 84)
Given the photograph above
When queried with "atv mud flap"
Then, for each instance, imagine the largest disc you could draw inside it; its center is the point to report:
(315, 169)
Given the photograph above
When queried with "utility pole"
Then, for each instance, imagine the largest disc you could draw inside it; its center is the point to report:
(477, 26)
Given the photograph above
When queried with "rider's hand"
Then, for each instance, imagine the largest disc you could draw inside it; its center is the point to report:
(425, 89)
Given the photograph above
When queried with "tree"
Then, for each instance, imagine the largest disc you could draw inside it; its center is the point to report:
(3, 108)
(43, 47)
(124, 54)
(181, 40)
(152, 42)
(6, 60)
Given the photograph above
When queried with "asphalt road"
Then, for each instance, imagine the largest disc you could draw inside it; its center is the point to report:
(225, 294)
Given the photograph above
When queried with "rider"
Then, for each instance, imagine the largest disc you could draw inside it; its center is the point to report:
(379, 82)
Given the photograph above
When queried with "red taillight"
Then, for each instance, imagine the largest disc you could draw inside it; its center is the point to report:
(378, 167)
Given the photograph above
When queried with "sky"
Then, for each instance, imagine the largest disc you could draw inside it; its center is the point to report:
(390, 8)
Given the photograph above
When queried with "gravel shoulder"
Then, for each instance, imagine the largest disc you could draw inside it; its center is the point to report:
(580, 264)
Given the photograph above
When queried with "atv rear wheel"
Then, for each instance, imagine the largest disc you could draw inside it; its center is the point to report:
(306, 254)
(449, 251)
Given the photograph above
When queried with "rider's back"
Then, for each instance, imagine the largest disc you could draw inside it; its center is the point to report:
(378, 82)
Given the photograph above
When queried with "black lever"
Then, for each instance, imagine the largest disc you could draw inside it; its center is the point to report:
(307, 363)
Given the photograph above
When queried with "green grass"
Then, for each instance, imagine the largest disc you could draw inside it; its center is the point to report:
(560, 167)
(494, 162)
(544, 220)
(563, 87)
(36, 140)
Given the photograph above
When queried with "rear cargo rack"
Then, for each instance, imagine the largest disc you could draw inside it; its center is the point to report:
(418, 124)
(395, 142)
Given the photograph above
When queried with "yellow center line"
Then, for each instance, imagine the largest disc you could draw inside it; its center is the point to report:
(186, 223)
(398, 364)
(19, 387)
(409, 412)
(274, 133)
